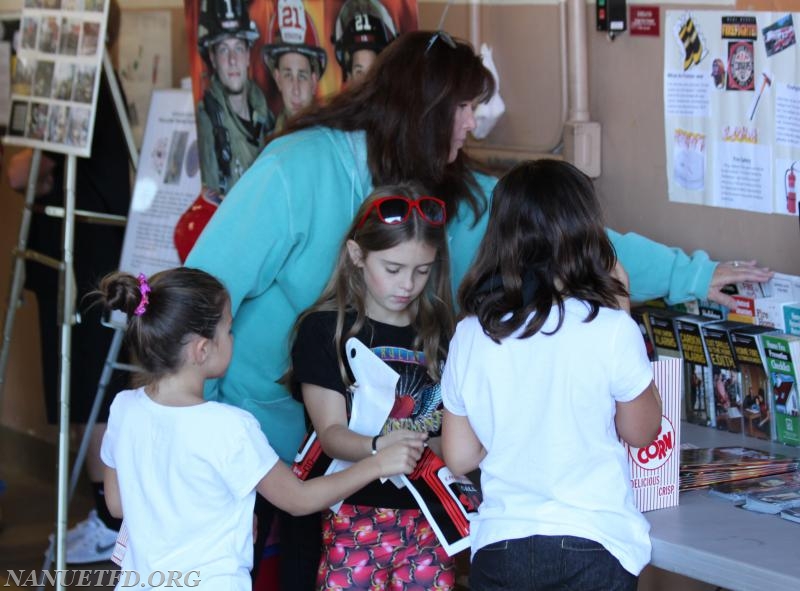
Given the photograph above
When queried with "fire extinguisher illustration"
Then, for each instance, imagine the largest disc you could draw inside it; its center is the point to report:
(791, 194)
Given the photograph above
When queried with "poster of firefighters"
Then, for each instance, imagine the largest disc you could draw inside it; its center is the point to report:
(732, 109)
(57, 75)
(255, 63)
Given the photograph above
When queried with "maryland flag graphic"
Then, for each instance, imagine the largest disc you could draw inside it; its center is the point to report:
(694, 51)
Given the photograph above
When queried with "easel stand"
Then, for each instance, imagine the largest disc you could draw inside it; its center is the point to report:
(66, 317)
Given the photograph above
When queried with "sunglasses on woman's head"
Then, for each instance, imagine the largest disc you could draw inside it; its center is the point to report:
(395, 209)
(444, 36)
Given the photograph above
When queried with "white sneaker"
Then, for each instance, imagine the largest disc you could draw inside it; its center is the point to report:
(89, 541)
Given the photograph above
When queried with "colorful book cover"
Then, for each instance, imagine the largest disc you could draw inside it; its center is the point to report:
(728, 399)
(698, 380)
(791, 318)
(748, 352)
(782, 353)
(712, 310)
(662, 327)
(639, 315)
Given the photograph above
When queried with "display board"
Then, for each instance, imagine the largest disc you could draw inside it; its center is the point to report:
(732, 109)
(167, 181)
(57, 75)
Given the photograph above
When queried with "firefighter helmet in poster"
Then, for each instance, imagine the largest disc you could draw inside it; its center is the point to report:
(256, 63)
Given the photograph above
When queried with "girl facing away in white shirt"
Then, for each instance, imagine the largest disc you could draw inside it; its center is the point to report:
(183, 471)
(545, 373)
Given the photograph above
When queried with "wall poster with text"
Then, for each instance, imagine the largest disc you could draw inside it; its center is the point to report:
(732, 109)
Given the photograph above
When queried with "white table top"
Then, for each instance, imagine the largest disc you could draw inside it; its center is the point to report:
(712, 540)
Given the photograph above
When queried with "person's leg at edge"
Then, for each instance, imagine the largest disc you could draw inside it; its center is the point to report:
(300, 548)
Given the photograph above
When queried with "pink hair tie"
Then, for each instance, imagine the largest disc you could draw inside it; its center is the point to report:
(144, 289)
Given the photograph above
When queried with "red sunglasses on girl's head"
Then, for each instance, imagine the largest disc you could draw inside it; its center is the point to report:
(395, 209)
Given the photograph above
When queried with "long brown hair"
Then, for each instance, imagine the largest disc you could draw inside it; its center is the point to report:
(346, 291)
(545, 241)
(406, 106)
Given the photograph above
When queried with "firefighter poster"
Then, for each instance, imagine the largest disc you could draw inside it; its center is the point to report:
(255, 63)
(732, 109)
(56, 75)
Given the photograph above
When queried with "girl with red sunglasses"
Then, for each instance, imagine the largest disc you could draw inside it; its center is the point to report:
(391, 290)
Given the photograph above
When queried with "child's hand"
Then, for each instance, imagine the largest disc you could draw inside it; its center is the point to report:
(401, 457)
(399, 436)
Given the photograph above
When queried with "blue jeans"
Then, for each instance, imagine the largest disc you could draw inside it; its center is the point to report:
(539, 563)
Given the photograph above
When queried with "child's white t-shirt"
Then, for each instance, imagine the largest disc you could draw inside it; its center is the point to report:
(187, 478)
(543, 408)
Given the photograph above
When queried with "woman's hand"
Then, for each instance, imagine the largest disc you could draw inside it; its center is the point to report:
(734, 272)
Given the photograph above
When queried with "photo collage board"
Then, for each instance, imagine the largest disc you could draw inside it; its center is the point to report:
(56, 75)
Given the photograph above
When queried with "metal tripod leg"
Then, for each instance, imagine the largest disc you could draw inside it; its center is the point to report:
(105, 378)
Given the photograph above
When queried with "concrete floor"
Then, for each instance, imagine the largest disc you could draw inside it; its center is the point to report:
(28, 505)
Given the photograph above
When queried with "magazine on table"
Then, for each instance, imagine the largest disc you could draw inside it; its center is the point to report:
(792, 514)
(737, 491)
(709, 466)
(446, 500)
(773, 501)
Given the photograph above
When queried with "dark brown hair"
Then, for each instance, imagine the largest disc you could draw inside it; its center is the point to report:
(182, 302)
(345, 291)
(545, 241)
(406, 105)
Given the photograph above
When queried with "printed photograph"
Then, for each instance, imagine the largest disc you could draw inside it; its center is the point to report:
(70, 36)
(30, 26)
(177, 151)
(49, 34)
(91, 37)
(23, 76)
(779, 35)
(78, 133)
(62, 81)
(43, 78)
(37, 123)
(94, 5)
(19, 116)
(84, 84)
(57, 124)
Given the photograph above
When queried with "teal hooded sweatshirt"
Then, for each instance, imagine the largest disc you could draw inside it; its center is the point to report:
(274, 240)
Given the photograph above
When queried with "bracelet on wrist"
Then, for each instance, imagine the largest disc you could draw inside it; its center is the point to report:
(375, 445)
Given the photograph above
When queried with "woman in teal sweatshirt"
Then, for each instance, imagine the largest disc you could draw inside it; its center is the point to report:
(274, 238)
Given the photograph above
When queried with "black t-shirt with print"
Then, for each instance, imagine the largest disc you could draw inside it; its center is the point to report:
(418, 400)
